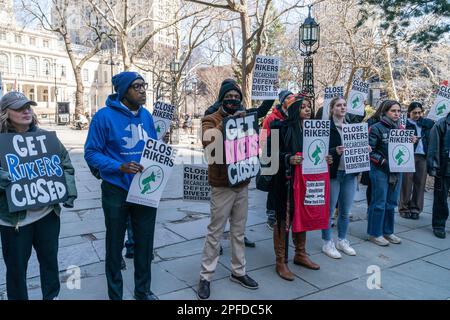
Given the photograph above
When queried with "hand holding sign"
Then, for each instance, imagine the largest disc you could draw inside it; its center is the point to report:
(340, 150)
(131, 167)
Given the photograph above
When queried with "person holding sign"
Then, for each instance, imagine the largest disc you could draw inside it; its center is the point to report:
(342, 185)
(117, 136)
(227, 203)
(413, 184)
(39, 227)
(438, 165)
(291, 146)
(385, 184)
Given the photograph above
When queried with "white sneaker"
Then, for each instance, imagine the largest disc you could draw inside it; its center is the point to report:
(392, 238)
(330, 250)
(345, 247)
(381, 241)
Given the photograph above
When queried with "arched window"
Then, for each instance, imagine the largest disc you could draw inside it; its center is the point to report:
(18, 64)
(4, 63)
(32, 66)
(46, 68)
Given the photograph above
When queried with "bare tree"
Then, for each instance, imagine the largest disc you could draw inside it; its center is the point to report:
(58, 24)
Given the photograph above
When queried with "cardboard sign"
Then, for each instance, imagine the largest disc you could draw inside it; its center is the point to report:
(330, 93)
(316, 140)
(401, 151)
(441, 106)
(265, 78)
(358, 94)
(162, 117)
(195, 184)
(147, 186)
(356, 147)
(34, 165)
(241, 147)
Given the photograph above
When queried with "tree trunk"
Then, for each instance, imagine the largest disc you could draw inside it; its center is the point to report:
(79, 95)
(246, 52)
(390, 75)
(127, 63)
(349, 82)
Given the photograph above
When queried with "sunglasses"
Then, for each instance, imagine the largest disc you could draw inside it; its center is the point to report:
(138, 86)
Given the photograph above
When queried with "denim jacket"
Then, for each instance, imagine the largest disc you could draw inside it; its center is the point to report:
(14, 218)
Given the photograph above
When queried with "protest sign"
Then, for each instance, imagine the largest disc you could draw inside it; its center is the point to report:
(441, 105)
(316, 139)
(356, 147)
(147, 186)
(195, 184)
(162, 117)
(34, 165)
(265, 78)
(315, 193)
(241, 147)
(330, 93)
(358, 94)
(401, 151)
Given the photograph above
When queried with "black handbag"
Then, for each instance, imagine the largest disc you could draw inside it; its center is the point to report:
(264, 182)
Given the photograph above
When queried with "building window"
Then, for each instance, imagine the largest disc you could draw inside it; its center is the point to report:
(85, 75)
(18, 38)
(31, 94)
(2, 35)
(32, 41)
(46, 43)
(105, 76)
(46, 68)
(45, 95)
(33, 66)
(4, 63)
(18, 64)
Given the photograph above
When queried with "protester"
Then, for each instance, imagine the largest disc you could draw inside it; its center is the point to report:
(385, 184)
(291, 143)
(37, 228)
(278, 113)
(413, 184)
(342, 185)
(438, 164)
(227, 203)
(116, 139)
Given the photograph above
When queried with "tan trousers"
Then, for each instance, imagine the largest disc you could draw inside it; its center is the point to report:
(226, 204)
(413, 187)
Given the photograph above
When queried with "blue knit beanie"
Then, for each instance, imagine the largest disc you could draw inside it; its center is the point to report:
(123, 81)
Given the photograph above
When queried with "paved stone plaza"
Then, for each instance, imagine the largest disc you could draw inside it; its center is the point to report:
(419, 268)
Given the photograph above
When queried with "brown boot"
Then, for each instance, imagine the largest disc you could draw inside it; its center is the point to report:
(301, 257)
(279, 244)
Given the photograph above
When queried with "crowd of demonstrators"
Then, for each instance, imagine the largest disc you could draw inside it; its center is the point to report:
(227, 203)
(342, 185)
(413, 185)
(34, 228)
(110, 150)
(438, 165)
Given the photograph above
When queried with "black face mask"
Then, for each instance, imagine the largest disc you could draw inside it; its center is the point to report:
(235, 103)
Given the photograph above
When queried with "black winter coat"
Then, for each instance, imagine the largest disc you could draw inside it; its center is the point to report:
(438, 156)
(379, 141)
(426, 125)
(335, 141)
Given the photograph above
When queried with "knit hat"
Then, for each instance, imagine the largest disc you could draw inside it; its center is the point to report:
(294, 100)
(283, 95)
(228, 85)
(123, 81)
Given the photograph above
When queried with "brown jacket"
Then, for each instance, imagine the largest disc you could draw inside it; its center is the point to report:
(217, 173)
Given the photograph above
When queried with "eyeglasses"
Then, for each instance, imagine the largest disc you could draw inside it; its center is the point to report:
(138, 86)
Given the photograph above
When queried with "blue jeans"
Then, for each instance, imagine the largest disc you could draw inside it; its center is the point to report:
(342, 192)
(385, 198)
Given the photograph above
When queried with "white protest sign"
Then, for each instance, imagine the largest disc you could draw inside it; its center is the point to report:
(441, 105)
(147, 187)
(265, 78)
(195, 184)
(162, 117)
(358, 94)
(315, 193)
(316, 139)
(401, 151)
(330, 93)
(356, 147)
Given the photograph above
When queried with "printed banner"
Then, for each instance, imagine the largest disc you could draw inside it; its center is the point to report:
(358, 94)
(356, 147)
(147, 186)
(315, 193)
(441, 105)
(241, 147)
(195, 184)
(265, 78)
(401, 151)
(316, 139)
(162, 117)
(330, 93)
(34, 165)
